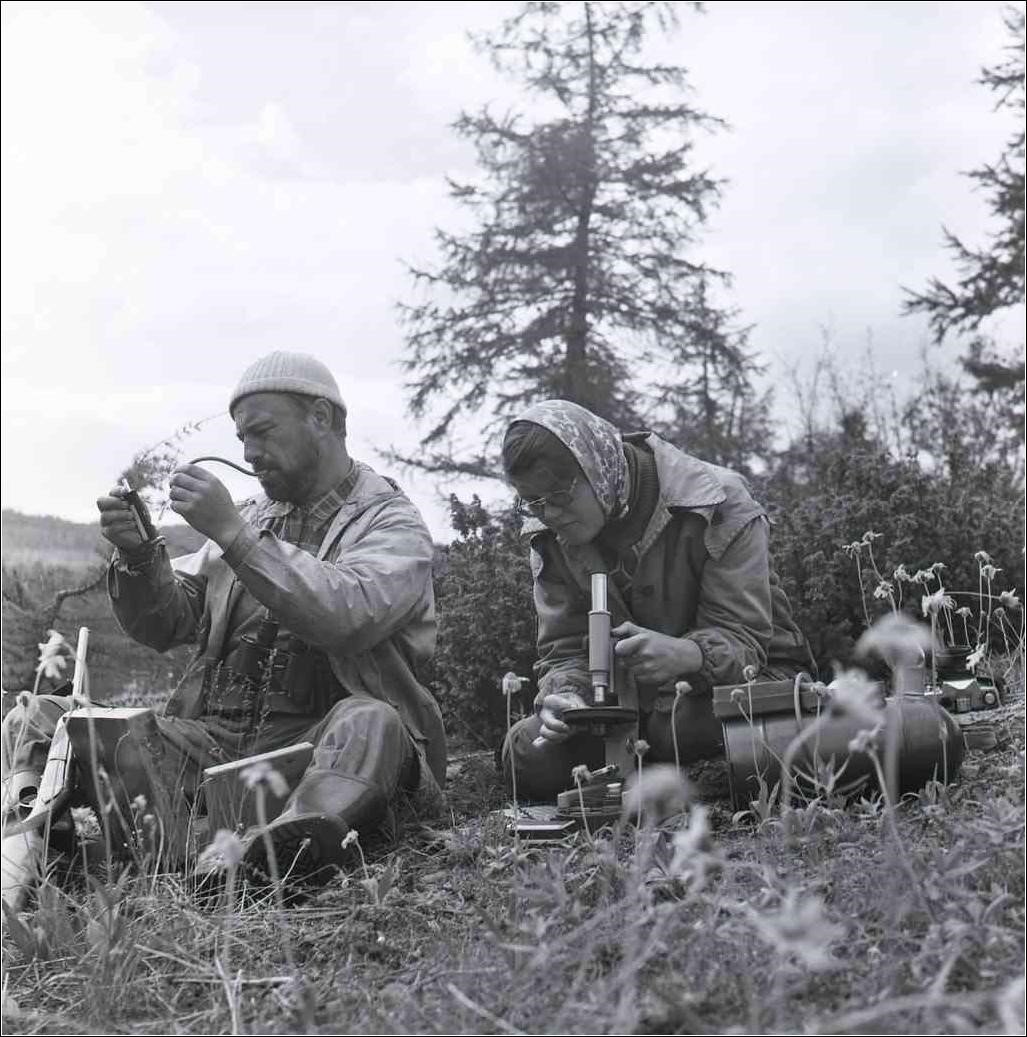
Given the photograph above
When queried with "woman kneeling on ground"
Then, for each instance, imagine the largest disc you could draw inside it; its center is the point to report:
(692, 591)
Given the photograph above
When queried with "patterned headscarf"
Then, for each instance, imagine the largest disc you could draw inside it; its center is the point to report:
(595, 444)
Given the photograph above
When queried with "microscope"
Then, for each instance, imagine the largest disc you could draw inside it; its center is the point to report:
(596, 801)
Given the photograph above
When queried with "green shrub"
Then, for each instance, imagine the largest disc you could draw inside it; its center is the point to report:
(829, 492)
(486, 620)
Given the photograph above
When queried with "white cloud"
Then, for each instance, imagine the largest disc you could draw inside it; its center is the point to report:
(186, 187)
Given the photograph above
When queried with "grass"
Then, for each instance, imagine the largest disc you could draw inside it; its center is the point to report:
(809, 926)
(829, 918)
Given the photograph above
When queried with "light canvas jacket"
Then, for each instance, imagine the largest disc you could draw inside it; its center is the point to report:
(704, 571)
(366, 600)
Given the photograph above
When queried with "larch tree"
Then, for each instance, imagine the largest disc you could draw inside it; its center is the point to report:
(578, 276)
(991, 276)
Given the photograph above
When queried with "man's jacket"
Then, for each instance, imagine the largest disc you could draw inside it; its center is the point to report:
(704, 571)
(366, 600)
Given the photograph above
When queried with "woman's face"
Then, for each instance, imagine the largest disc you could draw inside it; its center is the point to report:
(568, 507)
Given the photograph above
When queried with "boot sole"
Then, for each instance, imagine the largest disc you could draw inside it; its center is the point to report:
(306, 849)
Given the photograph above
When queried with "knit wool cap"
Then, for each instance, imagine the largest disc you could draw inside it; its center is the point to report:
(288, 372)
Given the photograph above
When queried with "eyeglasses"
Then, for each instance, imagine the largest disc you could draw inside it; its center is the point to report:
(537, 507)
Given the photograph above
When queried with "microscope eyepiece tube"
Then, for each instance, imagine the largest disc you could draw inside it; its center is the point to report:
(599, 603)
(600, 654)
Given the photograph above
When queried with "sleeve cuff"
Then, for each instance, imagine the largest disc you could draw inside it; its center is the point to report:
(564, 680)
(138, 559)
(241, 546)
(719, 661)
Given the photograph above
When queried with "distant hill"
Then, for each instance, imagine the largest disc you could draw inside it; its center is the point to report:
(31, 539)
(42, 555)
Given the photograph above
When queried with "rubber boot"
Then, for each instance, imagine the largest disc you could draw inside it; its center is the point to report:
(308, 849)
(307, 836)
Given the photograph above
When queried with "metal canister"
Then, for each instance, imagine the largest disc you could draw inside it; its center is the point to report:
(928, 742)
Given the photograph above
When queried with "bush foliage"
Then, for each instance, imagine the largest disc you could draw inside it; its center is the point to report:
(941, 498)
(486, 620)
(846, 485)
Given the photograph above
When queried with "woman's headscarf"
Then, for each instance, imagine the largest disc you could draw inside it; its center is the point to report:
(596, 446)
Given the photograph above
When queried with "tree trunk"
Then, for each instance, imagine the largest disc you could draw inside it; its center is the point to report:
(576, 381)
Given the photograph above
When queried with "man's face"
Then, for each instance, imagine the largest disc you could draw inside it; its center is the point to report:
(280, 444)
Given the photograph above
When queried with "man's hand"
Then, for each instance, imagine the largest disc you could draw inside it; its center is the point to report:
(204, 502)
(655, 658)
(553, 728)
(116, 522)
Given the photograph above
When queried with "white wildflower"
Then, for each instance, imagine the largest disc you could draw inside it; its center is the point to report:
(226, 850)
(884, 589)
(932, 604)
(976, 657)
(640, 747)
(853, 693)
(1010, 1004)
(659, 792)
(693, 839)
(52, 659)
(511, 683)
(262, 773)
(865, 740)
(895, 637)
(695, 855)
(800, 930)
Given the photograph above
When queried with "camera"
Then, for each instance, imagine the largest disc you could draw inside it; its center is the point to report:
(966, 694)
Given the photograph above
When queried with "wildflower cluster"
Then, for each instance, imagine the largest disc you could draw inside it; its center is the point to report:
(940, 607)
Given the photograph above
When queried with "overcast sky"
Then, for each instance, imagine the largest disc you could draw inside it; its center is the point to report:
(189, 185)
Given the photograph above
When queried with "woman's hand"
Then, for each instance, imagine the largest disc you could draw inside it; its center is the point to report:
(554, 730)
(655, 658)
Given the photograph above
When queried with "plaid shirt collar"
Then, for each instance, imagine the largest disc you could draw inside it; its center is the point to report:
(303, 525)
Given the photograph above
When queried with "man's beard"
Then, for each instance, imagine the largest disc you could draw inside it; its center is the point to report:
(293, 487)
(278, 486)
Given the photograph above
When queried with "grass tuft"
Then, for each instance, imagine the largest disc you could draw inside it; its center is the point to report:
(719, 925)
